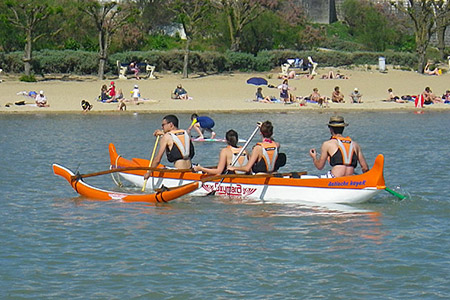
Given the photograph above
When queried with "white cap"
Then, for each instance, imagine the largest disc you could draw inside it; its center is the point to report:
(356, 89)
(41, 92)
(136, 86)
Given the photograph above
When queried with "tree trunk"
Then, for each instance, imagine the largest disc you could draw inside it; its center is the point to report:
(441, 41)
(236, 45)
(102, 54)
(421, 57)
(186, 58)
(231, 29)
(28, 53)
(423, 35)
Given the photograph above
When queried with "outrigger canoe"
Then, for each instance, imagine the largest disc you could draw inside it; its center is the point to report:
(92, 192)
(274, 188)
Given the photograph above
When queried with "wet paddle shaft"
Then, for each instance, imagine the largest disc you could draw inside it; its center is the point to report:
(237, 156)
(151, 160)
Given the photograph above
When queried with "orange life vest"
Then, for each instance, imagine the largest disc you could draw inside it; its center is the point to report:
(346, 147)
(269, 154)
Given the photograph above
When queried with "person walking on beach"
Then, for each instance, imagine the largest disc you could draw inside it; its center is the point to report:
(342, 152)
(265, 157)
(202, 124)
(227, 155)
(175, 142)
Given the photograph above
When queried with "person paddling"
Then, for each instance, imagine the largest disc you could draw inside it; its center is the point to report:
(202, 124)
(265, 157)
(175, 142)
(343, 153)
(227, 155)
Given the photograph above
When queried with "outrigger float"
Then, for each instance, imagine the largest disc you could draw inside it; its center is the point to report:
(92, 192)
(274, 188)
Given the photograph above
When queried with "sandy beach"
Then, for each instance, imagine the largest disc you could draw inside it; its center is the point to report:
(222, 93)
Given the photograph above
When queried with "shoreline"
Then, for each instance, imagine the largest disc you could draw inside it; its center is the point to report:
(224, 93)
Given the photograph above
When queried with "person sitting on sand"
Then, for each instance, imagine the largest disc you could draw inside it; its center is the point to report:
(446, 96)
(180, 93)
(337, 96)
(41, 100)
(227, 156)
(316, 97)
(356, 96)
(435, 71)
(429, 97)
(260, 98)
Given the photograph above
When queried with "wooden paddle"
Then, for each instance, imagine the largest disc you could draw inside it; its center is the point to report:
(239, 155)
(151, 160)
(115, 170)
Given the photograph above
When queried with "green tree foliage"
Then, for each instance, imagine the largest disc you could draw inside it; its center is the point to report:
(368, 24)
(107, 18)
(30, 17)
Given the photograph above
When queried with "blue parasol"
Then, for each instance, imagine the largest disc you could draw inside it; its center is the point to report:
(257, 81)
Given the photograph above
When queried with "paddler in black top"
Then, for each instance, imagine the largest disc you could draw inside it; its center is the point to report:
(342, 153)
(175, 142)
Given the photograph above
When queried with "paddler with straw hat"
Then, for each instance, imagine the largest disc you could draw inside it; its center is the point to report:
(343, 153)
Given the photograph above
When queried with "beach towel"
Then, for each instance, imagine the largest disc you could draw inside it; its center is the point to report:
(419, 101)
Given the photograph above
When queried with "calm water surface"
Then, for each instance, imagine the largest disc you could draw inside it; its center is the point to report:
(57, 245)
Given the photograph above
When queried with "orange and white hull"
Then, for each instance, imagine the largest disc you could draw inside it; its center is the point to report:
(285, 189)
(92, 192)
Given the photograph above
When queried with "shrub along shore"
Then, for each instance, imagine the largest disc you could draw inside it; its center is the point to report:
(86, 63)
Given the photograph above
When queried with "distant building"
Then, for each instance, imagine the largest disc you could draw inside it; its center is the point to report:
(320, 11)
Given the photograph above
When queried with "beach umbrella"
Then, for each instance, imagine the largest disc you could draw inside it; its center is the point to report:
(257, 81)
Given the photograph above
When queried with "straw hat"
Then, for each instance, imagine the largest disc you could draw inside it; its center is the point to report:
(337, 121)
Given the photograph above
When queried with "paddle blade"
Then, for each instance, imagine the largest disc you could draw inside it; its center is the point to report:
(392, 192)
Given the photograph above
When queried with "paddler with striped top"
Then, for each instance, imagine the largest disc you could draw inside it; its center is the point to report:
(175, 142)
(227, 155)
(265, 157)
(342, 152)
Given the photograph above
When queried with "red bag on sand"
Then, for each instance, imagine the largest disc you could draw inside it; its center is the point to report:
(419, 101)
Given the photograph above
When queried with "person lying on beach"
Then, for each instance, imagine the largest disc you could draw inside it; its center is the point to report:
(393, 98)
(435, 71)
(331, 75)
(227, 155)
